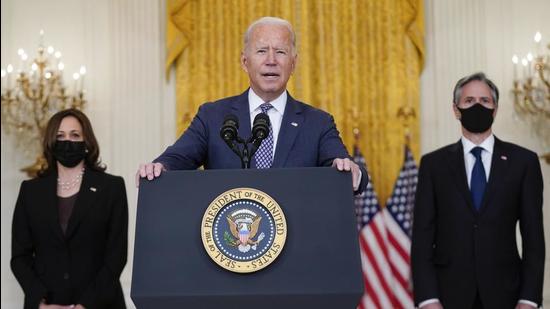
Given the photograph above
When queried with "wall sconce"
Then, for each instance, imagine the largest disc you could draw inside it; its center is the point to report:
(532, 90)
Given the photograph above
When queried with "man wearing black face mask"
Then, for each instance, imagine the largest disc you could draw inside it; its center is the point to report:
(469, 199)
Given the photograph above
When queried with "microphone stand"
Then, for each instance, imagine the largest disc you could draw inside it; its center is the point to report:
(249, 146)
(255, 145)
(245, 155)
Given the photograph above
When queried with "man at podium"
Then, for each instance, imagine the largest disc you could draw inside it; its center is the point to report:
(298, 134)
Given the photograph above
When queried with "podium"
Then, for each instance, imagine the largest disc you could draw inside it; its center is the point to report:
(318, 267)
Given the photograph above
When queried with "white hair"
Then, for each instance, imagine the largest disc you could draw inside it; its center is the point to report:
(268, 20)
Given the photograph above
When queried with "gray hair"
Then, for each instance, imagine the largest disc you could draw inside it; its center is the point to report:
(268, 20)
(480, 76)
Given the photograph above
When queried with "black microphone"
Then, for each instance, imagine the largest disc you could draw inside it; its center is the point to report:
(230, 135)
(260, 130)
(230, 127)
(260, 127)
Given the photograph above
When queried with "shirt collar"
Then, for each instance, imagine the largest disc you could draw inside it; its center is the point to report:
(488, 144)
(254, 101)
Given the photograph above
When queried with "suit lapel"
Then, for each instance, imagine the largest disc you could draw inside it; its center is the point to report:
(89, 190)
(458, 168)
(499, 167)
(290, 126)
(242, 110)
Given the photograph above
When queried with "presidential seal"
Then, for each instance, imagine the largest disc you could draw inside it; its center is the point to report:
(243, 230)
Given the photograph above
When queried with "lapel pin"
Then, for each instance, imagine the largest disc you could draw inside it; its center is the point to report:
(294, 124)
(504, 158)
(93, 189)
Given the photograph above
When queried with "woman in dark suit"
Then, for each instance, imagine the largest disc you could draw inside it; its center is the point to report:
(70, 224)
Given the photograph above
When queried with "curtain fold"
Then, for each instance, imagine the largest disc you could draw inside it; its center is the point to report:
(360, 60)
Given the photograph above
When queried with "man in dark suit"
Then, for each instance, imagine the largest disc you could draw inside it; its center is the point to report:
(300, 135)
(469, 198)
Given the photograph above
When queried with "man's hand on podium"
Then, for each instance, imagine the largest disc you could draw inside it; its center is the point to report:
(348, 165)
(149, 170)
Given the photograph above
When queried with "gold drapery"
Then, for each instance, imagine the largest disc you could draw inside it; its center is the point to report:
(359, 60)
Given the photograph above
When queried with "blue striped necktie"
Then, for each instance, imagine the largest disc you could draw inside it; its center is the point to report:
(264, 155)
(478, 181)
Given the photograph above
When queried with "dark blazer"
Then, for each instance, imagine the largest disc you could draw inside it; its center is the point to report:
(83, 266)
(457, 251)
(308, 137)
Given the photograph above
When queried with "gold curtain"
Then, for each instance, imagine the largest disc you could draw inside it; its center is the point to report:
(359, 60)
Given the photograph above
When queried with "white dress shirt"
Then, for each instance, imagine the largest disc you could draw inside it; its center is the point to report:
(486, 155)
(275, 114)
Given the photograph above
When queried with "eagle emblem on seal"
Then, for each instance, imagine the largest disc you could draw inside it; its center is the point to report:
(243, 225)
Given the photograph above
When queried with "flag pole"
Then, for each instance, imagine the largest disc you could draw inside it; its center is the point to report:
(355, 121)
(356, 135)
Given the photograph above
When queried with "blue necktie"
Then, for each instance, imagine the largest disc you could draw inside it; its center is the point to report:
(264, 155)
(478, 180)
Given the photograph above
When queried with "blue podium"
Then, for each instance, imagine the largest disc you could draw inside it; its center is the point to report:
(318, 267)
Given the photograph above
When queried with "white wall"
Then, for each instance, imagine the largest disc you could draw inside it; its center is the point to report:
(132, 108)
(463, 37)
(130, 105)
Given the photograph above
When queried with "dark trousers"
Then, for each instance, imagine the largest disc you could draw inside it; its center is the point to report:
(477, 302)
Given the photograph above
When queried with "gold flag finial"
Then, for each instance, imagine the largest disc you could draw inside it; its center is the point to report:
(407, 114)
(356, 122)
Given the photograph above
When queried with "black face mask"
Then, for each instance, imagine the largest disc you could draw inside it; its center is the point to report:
(476, 119)
(69, 153)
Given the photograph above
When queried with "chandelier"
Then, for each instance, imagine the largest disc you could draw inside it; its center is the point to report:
(532, 91)
(32, 94)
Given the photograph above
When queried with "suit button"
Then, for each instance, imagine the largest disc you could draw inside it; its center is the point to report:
(475, 226)
(66, 276)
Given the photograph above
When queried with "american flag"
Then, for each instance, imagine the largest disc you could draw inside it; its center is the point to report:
(398, 219)
(377, 274)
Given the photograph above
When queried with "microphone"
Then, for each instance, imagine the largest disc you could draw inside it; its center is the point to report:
(229, 128)
(229, 133)
(260, 128)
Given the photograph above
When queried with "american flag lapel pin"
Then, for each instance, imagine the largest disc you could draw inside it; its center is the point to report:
(93, 189)
(504, 158)
(294, 124)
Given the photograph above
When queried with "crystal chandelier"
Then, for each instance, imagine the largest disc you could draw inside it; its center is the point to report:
(532, 91)
(33, 94)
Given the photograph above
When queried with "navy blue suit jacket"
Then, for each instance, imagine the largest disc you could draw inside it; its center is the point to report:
(308, 137)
